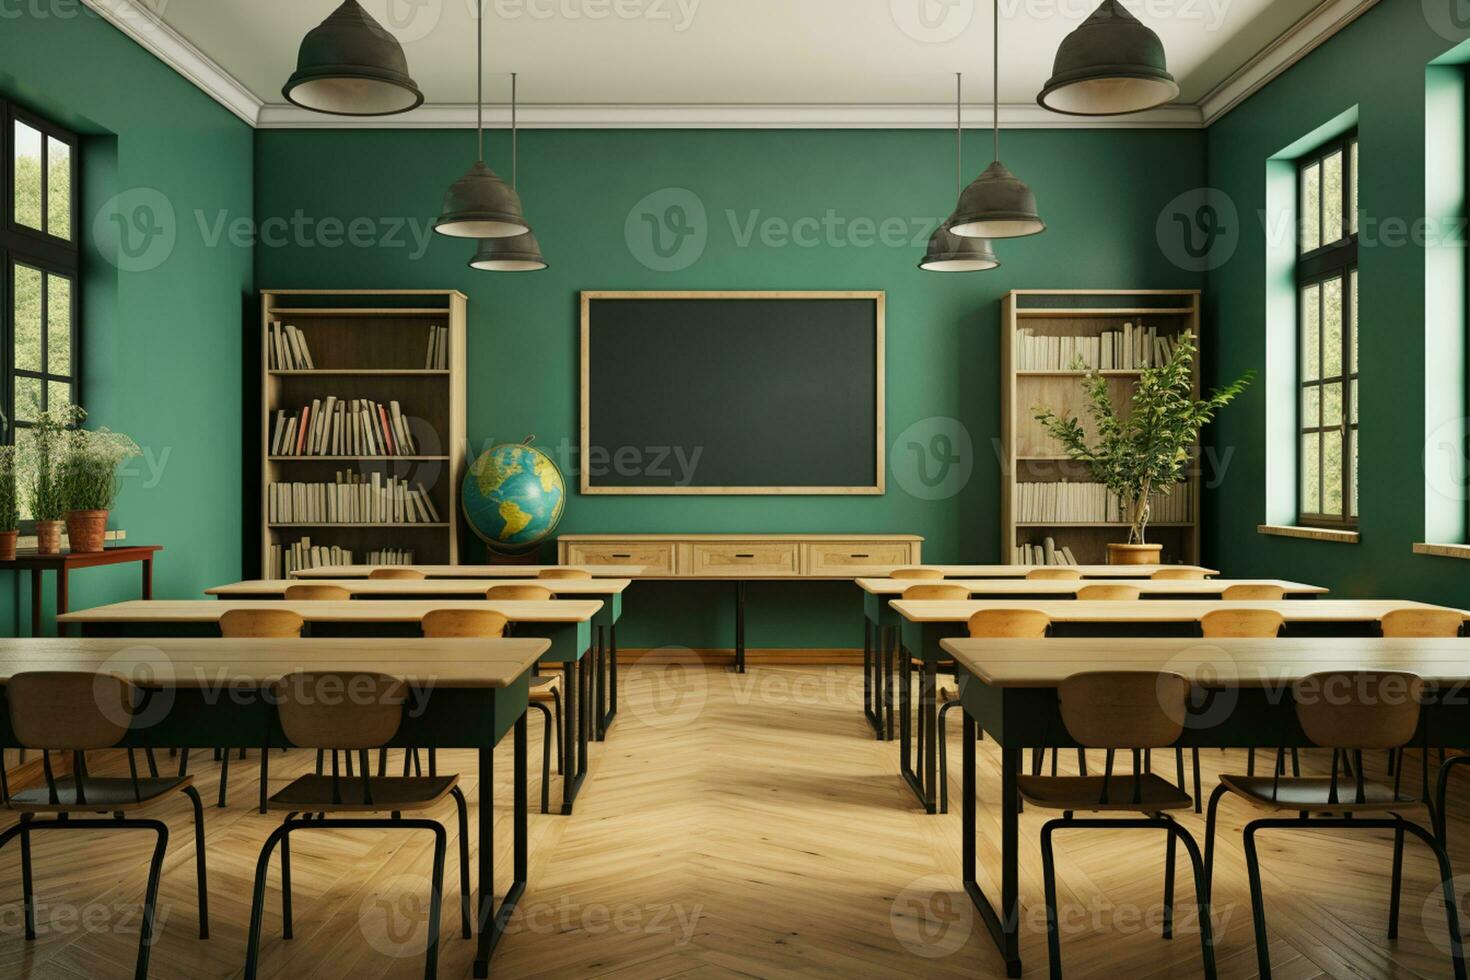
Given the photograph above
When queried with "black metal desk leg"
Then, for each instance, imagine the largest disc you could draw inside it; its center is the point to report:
(871, 705)
(1010, 889)
(585, 724)
(928, 706)
(571, 732)
(740, 626)
(596, 694)
(492, 922)
(612, 656)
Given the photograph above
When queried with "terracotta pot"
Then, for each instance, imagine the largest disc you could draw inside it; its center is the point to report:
(48, 537)
(1135, 554)
(86, 529)
(7, 545)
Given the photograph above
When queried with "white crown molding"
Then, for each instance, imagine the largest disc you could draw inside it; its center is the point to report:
(725, 116)
(141, 24)
(1300, 40)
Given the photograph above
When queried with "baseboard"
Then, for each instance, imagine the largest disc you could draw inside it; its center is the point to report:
(754, 656)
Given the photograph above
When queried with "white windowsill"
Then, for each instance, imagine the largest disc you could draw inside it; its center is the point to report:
(1311, 533)
(1442, 550)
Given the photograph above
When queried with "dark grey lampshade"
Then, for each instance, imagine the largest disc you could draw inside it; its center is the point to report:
(949, 252)
(348, 65)
(996, 205)
(1110, 65)
(481, 205)
(519, 253)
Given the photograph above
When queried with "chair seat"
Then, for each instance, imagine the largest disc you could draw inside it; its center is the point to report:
(314, 793)
(1313, 792)
(1082, 793)
(104, 794)
(948, 694)
(544, 686)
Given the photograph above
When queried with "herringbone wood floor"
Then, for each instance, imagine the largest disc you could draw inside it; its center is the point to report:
(731, 826)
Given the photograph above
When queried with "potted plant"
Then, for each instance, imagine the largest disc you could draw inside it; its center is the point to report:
(1144, 451)
(9, 504)
(88, 476)
(39, 456)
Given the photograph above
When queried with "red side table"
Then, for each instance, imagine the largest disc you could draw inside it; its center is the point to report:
(65, 561)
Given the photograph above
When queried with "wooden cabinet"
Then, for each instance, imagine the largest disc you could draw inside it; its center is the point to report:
(857, 558)
(656, 557)
(744, 556)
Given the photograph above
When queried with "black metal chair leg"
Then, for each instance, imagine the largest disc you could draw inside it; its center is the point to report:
(1215, 799)
(1398, 882)
(556, 729)
(1169, 885)
(1441, 824)
(464, 861)
(886, 641)
(150, 897)
(1049, 876)
(1201, 898)
(27, 878)
(152, 763)
(265, 775)
(200, 871)
(545, 756)
(944, 758)
(286, 917)
(224, 777)
(436, 898)
(1199, 799)
(257, 898)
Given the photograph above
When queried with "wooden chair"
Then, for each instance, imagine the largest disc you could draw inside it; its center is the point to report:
(916, 573)
(1053, 574)
(396, 575)
(1421, 623)
(951, 593)
(565, 574)
(77, 713)
(1348, 713)
(259, 624)
(879, 663)
(317, 593)
(521, 593)
(364, 722)
(545, 688)
(930, 592)
(1132, 711)
(1261, 593)
(1242, 623)
(1177, 574)
(1123, 593)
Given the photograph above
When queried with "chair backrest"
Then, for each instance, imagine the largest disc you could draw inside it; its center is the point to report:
(1115, 709)
(450, 623)
(1094, 592)
(1177, 574)
(532, 593)
(1265, 593)
(261, 623)
(916, 572)
(314, 593)
(1010, 624)
(397, 574)
(1422, 622)
(1368, 709)
(340, 709)
(1223, 623)
(75, 711)
(564, 573)
(1053, 574)
(952, 593)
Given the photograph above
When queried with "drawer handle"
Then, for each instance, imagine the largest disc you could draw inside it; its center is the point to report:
(623, 556)
(745, 556)
(857, 556)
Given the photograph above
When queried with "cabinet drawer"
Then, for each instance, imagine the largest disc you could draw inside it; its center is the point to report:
(855, 559)
(656, 557)
(742, 558)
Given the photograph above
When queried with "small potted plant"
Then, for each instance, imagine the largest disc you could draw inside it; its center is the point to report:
(9, 504)
(39, 457)
(1144, 451)
(88, 476)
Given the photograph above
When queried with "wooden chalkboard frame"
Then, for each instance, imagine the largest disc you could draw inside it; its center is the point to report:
(878, 298)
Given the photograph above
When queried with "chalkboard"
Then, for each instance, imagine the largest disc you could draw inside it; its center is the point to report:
(732, 392)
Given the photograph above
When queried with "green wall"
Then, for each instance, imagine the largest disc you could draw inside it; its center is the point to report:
(1377, 65)
(161, 310)
(1101, 193)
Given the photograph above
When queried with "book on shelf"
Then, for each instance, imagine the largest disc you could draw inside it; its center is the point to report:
(1134, 346)
(287, 349)
(1065, 502)
(285, 559)
(438, 356)
(352, 498)
(343, 427)
(1046, 553)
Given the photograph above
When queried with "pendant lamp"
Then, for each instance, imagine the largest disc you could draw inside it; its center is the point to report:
(480, 204)
(518, 253)
(348, 65)
(947, 251)
(996, 204)
(1110, 65)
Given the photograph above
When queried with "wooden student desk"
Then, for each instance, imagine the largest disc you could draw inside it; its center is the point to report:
(1009, 688)
(566, 624)
(926, 624)
(1019, 571)
(64, 562)
(604, 623)
(466, 694)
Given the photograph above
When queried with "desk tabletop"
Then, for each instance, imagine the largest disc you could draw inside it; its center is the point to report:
(1156, 610)
(1086, 571)
(470, 588)
(468, 571)
(1210, 663)
(346, 611)
(1012, 586)
(206, 662)
(109, 555)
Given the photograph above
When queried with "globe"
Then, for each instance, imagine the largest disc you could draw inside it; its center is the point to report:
(513, 497)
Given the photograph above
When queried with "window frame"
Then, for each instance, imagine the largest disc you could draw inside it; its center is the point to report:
(1315, 267)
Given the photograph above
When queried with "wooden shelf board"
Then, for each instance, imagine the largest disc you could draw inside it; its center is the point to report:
(1035, 312)
(1107, 373)
(378, 311)
(429, 524)
(1100, 524)
(384, 372)
(365, 459)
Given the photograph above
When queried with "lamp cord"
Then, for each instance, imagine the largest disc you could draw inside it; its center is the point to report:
(480, 79)
(512, 130)
(959, 148)
(995, 68)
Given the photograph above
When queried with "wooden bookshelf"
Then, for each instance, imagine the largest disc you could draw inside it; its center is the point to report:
(368, 344)
(1031, 457)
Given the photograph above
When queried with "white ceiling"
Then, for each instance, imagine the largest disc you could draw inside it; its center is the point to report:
(724, 53)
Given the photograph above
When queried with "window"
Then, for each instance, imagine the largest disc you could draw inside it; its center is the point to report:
(1327, 294)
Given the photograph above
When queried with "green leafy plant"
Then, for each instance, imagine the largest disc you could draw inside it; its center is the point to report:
(89, 463)
(9, 501)
(1146, 450)
(38, 455)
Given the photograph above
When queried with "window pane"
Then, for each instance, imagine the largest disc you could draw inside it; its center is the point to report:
(1311, 208)
(27, 318)
(27, 398)
(58, 188)
(1353, 196)
(1332, 193)
(1332, 473)
(27, 176)
(1311, 407)
(58, 395)
(23, 438)
(1331, 327)
(1311, 369)
(1353, 321)
(58, 325)
(1311, 473)
(1353, 467)
(1332, 404)
(1352, 394)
